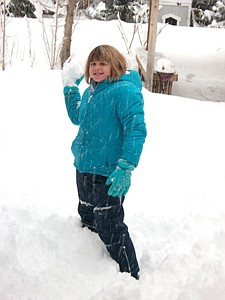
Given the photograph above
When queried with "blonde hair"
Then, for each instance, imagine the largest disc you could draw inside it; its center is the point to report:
(109, 54)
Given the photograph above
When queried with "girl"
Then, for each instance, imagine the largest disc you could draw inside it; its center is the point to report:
(107, 147)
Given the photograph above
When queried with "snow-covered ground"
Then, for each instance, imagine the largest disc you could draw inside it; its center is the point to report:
(175, 208)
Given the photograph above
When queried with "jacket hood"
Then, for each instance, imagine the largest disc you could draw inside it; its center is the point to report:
(133, 77)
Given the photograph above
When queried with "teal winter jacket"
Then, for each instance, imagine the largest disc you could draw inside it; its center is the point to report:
(111, 123)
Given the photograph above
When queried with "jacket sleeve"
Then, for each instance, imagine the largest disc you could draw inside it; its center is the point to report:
(131, 115)
(72, 100)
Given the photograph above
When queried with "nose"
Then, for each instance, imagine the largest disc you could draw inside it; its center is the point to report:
(97, 66)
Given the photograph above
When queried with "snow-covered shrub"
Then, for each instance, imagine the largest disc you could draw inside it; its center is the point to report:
(99, 11)
(208, 17)
(129, 11)
(20, 8)
(212, 15)
(219, 10)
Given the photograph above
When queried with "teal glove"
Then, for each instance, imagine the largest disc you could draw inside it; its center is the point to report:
(73, 89)
(120, 179)
(78, 81)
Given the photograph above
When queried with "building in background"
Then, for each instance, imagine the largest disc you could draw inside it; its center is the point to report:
(175, 12)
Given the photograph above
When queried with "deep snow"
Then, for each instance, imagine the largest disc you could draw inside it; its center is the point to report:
(175, 208)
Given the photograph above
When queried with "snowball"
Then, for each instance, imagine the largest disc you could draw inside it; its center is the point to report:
(73, 69)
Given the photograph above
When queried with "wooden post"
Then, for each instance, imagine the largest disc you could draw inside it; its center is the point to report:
(154, 8)
(3, 25)
(149, 19)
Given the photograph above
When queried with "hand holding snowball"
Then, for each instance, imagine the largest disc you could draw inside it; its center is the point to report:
(73, 70)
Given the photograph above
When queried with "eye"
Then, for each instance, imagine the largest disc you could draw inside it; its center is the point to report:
(103, 63)
(92, 64)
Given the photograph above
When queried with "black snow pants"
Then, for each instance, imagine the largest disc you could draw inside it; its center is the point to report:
(105, 214)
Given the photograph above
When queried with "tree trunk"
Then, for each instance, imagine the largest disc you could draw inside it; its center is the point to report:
(149, 20)
(3, 24)
(65, 51)
(54, 43)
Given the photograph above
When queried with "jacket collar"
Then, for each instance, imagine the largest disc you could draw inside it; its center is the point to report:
(98, 85)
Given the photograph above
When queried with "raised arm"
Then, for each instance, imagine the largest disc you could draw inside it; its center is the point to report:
(72, 75)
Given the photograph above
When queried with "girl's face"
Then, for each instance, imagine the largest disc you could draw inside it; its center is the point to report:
(99, 70)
